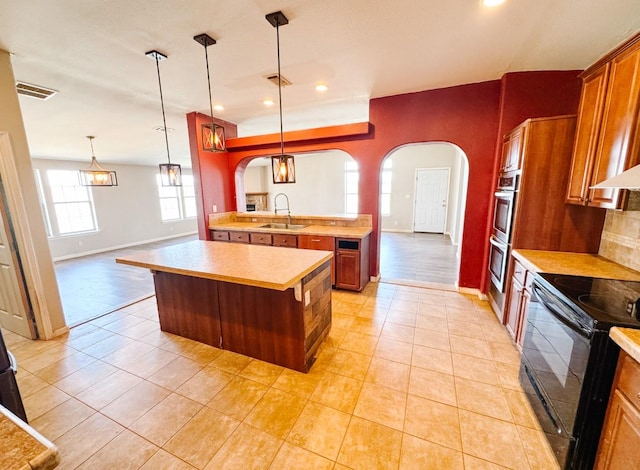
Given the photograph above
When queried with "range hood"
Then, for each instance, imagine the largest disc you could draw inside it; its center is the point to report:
(629, 179)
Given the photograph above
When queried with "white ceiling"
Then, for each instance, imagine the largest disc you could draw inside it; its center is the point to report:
(92, 52)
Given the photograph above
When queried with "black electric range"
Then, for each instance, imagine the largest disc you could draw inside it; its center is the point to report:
(569, 361)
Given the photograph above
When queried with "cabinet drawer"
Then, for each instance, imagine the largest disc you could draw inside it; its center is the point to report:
(239, 237)
(285, 240)
(629, 379)
(314, 242)
(519, 273)
(220, 236)
(261, 239)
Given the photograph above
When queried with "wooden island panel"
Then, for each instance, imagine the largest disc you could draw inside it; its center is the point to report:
(188, 306)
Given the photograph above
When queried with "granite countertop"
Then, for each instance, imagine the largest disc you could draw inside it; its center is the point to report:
(22, 447)
(253, 265)
(577, 264)
(321, 230)
(628, 339)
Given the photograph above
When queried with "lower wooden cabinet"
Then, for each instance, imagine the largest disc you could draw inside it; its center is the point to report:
(620, 439)
(317, 242)
(352, 263)
(519, 295)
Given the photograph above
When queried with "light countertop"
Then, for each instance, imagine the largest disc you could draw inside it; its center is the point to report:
(22, 447)
(628, 339)
(577, 264)
(254, 265)
(321, 230)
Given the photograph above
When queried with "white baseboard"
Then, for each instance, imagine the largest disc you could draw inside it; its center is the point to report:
(394, 230)
(472, 291)
(118, 247)
(375, 278)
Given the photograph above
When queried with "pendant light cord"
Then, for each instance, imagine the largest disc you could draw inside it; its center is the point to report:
(279, 87)
(91, 142)
(206, 57)
(164, 119)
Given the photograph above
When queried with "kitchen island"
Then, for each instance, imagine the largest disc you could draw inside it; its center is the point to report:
(269, 303)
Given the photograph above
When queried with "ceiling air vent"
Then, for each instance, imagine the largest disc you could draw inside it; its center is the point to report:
(274, 79)
(34, 91)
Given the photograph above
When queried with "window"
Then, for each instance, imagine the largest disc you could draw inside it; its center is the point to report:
(177, 202)
(385, 188)
(72, 203)
(351, 177)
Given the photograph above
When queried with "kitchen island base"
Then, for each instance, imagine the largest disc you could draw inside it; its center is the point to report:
(281, 327)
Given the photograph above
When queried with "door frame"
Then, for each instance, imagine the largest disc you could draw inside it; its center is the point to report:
(41, 303)
(415, 200)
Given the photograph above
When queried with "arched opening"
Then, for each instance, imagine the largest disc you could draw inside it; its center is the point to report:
(326, 184)
(423, 190)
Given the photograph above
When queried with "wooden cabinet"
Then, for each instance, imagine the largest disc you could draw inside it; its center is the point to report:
(620, 439)
(220, 235)
(261, 238)
(607, 140)
(352, 264)
(518, 301)
(239, 237)
(285, 240)
(317, 242)
(512, 146)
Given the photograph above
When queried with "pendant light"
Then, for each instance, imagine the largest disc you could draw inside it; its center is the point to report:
(96, 174)
(283, 166)
(212, 134)
(170, 173)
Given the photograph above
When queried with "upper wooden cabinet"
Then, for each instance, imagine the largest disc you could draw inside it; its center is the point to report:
(512, 146)
(607, 139)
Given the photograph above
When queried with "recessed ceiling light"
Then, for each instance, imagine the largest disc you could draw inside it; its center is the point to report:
(321, 87)
(492, 3)
(218, 107)
(268, 102)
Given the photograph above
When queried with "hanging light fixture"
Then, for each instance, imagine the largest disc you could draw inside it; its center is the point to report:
(96, 175)
(212, 134)
(283, 166)
(170, 173)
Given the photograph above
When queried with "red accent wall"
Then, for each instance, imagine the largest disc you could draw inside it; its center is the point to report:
(211, 174)
(469, 116)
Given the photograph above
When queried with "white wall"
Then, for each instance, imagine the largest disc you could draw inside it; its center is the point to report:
(319, 186)
(405, 162)
(127, 214)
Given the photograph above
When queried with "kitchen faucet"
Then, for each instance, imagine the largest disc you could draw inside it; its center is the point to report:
(275, 206)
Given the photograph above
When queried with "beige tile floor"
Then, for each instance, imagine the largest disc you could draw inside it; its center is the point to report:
(409, 378)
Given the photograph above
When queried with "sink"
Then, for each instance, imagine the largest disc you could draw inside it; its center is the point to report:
(284, 226)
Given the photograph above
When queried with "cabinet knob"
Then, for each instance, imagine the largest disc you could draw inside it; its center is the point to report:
(638, 395)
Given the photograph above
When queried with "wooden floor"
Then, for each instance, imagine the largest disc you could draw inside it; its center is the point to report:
(418, 259)
(91, 286)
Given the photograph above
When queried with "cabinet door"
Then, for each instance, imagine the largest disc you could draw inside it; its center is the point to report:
(618, 127)
(525, 297)
(513, 308)
(587, 132)
(348, 269)
(317, 242)
(506, 153)
(516, 144)
(619, 449)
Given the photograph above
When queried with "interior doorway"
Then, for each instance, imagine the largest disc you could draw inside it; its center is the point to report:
(422, 201)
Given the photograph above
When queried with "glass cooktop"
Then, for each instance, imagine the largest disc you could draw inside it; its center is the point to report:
(609, 302)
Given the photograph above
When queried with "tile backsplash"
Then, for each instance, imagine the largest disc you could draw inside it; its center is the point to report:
(621, 235)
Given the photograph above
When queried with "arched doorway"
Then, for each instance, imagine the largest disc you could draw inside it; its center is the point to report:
(326, 184)
(413, 181)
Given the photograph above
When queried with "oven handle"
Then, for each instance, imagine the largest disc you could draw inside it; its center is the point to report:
(571, 322)
(495, 242)
(545, 405)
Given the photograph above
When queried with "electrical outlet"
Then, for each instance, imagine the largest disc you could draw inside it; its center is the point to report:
(215, 208)
(333, 222)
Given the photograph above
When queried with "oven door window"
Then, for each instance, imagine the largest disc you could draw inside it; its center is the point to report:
(498, 256)
(502, 216)
(556, 353)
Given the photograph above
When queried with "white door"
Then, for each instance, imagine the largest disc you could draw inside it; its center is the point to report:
(432, 194)
(14, 311)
